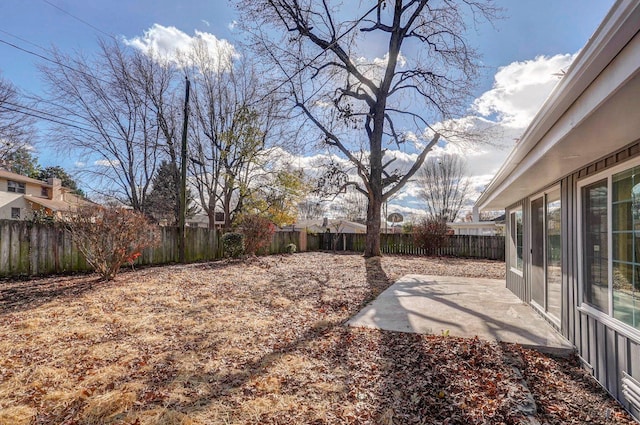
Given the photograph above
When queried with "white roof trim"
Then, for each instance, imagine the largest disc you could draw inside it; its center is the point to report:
(618, 28)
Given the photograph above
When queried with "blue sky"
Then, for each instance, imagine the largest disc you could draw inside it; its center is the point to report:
(509, 47)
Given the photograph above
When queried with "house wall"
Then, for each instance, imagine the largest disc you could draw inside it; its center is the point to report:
(477, 229)
(16, 202)
(605, 350)
(30, 188)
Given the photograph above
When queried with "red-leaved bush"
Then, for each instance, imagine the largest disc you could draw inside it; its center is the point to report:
(430, 234)
(258, 231)
(109, 237)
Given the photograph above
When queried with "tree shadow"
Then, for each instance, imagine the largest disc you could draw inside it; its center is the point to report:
(403, 396)
(17, 296)
(247, 375)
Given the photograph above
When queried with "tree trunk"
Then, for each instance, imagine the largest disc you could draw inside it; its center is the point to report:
(226, 208)
(372, 241)
(211, 213)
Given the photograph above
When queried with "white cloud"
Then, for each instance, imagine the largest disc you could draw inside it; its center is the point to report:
(107, 163)
(505, 111)
(485, 138)
(175, 46)
(374, 68)
(79, 164)
(520, 88)
(232, 25)
(204, 21)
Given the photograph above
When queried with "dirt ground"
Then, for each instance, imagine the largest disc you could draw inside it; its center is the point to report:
(264, 342)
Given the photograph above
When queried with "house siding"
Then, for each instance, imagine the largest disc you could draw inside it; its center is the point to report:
(604, 350)
(5, 208)
(607, 352)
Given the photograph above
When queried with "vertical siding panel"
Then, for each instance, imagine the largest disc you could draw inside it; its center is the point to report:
(593, 345)
(570, 272)
(634, 355)
(601, 348)
(584, 337)
(634, 369)
(622, 358)
(611, 366)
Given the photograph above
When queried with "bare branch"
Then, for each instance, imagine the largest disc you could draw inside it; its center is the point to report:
(414, 168)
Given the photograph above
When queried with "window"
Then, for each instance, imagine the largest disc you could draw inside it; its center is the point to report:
(15, 213)
(516, 239)
(595, 247)
(611, 244)
(15, 187)
(625, 231)
(44, 192)
(554, 253)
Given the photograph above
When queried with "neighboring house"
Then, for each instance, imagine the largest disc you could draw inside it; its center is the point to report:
(21, 197)
(478, 228)
(333, 225)
(571, 189)
(202, 220)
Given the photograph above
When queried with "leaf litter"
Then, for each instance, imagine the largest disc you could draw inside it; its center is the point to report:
(264, 342)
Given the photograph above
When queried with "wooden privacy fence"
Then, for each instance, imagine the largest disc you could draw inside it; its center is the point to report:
(28, 249)
(472, 246)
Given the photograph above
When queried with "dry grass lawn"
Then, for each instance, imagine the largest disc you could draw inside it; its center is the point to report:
(263, 342)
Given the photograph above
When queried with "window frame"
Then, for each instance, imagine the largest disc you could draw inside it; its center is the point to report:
(605, 318)
(15, 216)
(16, 187)
(513, 234)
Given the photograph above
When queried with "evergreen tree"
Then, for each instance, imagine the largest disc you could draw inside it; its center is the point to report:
(60, 173)
(21, 161)
(163, 202)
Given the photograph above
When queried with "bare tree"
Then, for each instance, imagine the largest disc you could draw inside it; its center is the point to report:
(351, 205)
(16, 126)
(119, 136)
(357, 104)
(443, 186)
(160, 84)
(231, 134)
(311, 209)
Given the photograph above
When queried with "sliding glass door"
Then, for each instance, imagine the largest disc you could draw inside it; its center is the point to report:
(546, 274)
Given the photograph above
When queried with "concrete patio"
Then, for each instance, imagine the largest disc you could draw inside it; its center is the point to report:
(463, 307)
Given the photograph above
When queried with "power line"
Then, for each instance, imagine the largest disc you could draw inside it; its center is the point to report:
(23, 40)
(15, 105)
(39, 115)
(79, 19)
(22, 49)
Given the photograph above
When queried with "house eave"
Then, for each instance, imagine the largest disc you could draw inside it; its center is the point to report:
(587, 85)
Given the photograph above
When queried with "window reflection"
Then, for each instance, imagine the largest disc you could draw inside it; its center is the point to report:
(554, 255)
(595, 254)
(625, 207)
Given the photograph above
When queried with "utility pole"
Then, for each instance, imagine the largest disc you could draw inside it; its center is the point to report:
(183, 177)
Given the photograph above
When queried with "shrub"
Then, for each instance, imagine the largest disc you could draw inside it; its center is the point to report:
(291, 248)
(258, 231)
(108, 237)
(430, 234)
(233, 244)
